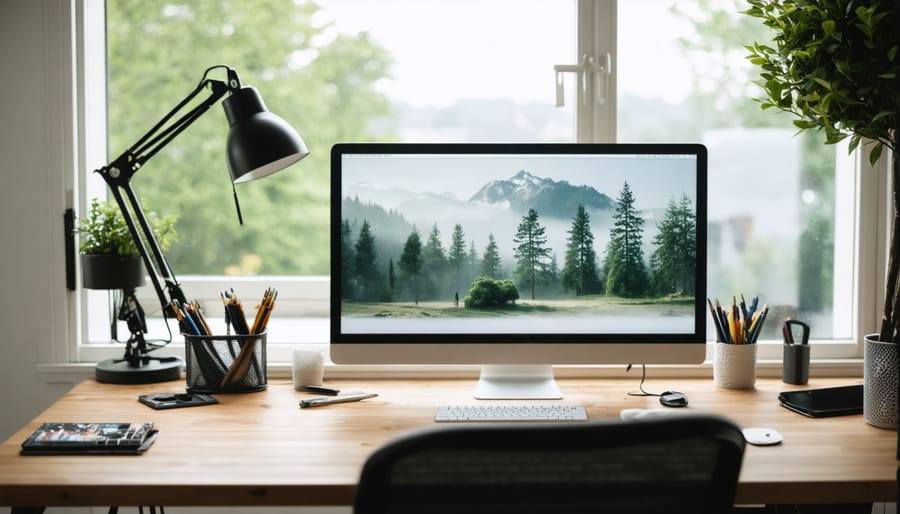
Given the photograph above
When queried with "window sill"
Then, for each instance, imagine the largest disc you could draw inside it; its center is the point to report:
(830, 359)
(282, 369)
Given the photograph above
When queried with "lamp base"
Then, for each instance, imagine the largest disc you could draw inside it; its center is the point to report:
(152, 369)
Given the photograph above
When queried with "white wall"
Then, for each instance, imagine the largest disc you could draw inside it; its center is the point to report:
(35, 159)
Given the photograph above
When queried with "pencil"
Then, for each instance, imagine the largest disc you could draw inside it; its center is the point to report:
(717, 323)
(245, 357)
(757, 328)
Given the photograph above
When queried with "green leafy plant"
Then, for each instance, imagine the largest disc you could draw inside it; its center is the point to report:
(104, 231)
(834, 65)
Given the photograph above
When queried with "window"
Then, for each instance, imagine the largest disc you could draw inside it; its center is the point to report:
(427, 70)
(774, 206)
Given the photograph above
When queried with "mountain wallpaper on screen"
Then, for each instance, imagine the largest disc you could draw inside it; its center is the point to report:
(550, 198)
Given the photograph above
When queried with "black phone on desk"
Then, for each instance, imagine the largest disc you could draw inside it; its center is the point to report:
(824, 403)
(175, 400)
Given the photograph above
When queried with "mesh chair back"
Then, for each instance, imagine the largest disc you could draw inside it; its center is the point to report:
(686, 463)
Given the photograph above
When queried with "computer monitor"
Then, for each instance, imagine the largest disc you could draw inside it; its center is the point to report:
(517, 257)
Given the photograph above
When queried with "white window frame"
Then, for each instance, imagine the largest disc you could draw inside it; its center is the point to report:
(596, 115)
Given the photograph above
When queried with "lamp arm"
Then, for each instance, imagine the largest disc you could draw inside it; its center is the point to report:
(118, 176)
(126, 165)
(141, 231)
(143, 147)
(159, 141)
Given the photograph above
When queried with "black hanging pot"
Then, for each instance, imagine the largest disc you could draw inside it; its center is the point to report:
(111, 271)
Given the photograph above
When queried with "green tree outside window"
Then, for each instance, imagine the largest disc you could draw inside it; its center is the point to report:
(157, 52)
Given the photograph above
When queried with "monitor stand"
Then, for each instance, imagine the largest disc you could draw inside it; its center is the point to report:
(517, 382)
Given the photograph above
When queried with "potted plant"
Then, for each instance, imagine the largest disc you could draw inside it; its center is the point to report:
(834, 64)
(109, 256)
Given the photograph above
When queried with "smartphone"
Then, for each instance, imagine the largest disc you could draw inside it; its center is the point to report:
(176, 400)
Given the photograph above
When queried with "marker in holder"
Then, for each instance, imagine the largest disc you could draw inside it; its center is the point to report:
(795, 357)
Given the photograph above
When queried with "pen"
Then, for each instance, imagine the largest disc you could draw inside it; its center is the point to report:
(328, 400)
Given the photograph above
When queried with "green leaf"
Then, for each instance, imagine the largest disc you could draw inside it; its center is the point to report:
(753, 11)
(826, 101)
(865, 29)
(824, 83)
(875, 154)
(842, 67)
(835, 138)
(865, 15)
(828, 26)
(805, 124)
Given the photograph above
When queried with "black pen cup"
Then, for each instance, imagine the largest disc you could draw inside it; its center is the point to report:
(225, 363)
(795, 362)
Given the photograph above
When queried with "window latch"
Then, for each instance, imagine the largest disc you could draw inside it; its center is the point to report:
(589, 72)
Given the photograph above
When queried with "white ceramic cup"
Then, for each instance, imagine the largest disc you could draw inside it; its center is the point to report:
(308, 367)
(734, 366)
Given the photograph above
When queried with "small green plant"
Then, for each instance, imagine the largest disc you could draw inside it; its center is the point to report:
(104, 231)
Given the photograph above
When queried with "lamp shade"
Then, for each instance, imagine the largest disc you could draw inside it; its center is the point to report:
(259, 142)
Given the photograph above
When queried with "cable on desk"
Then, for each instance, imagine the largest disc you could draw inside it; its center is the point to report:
(643, 377)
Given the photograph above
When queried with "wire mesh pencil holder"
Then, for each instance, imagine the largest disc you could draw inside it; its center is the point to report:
(225, 363)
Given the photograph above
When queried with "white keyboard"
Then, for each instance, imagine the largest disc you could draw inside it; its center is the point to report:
(514, 412)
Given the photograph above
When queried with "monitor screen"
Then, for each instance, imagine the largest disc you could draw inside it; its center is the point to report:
(515, 254)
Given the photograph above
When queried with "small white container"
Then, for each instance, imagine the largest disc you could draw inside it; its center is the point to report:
(308, 368)
(734, 366)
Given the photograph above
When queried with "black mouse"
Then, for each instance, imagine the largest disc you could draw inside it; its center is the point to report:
(673, 399)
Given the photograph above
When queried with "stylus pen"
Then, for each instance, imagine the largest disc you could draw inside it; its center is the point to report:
(324, 400)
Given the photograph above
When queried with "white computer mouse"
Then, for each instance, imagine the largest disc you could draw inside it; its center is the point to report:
(762, 436)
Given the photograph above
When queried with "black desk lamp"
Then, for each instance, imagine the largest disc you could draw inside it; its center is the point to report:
(259, 144)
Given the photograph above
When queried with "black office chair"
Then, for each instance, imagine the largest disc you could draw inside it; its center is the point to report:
(684, 463)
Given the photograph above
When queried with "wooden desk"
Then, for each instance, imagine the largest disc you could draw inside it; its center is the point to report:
(261, 449)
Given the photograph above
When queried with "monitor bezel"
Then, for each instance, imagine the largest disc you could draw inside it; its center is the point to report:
(538, 348)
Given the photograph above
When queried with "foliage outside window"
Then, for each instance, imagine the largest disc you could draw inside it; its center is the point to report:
(722, 103)
(324, 87)
(328, 83)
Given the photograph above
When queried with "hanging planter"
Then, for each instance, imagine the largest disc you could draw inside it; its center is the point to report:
(109, 256)
(110, 271)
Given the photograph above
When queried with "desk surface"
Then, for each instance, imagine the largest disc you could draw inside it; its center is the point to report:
(261, 449)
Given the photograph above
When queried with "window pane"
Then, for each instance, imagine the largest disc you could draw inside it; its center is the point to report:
(342, 70)
(683, 76)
